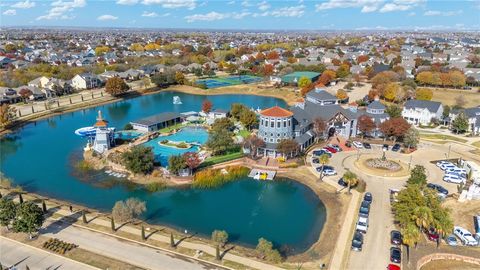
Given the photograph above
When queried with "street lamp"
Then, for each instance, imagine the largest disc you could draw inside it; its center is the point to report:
(384, 150)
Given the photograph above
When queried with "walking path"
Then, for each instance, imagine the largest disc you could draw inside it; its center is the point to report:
(19, 255)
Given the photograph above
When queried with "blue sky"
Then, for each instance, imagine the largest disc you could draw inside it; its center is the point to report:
(246, 14)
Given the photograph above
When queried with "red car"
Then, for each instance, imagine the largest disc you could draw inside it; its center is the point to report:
(393, 267)
(331, 149)
(432, 235)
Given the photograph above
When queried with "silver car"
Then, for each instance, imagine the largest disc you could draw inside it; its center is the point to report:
(451, 240)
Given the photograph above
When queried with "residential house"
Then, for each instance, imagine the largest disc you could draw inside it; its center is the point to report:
(421, 112)
(85, 81)
(473, 115)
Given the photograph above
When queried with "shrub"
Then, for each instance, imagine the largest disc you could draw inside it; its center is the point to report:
(139, 159)
(182, 145)
(128, 127)
(361, 186)
(213, 178)
(157, 186)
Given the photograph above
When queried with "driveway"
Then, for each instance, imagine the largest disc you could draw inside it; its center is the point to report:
(13, 253)
(135, 254)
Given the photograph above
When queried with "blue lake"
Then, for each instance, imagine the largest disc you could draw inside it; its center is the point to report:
(40, 158)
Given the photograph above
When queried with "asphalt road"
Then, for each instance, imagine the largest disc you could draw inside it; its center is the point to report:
(135, 254)
(18, 255)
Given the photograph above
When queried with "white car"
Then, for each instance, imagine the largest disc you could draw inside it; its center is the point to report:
(446, 166)
(362, 224)
(457, 171)
(442, 162)
(465, 236)
(452, 178)
(329, 172)
(357, 144)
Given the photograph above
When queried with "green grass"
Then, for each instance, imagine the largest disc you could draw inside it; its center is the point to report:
(171, 128)
(442, 137)
(244, 133)
(219, 159)
(476, 144)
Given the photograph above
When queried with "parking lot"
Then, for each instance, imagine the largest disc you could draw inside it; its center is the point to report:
(375, 252)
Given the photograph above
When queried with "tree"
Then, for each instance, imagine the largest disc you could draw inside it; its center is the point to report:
(365, 125)
(220, 237)
(391, 91)
(222, 124)
(7, 212)
(265, 250)
(460, 123)
(220, 141)
(25, 93)
(460, 101)
(457, 78)
(425, 77)
(394, 111)
(164, 79)
(343, 71)
(172, 241)
(323, 159)
(351, 179)
(139, 159)
(342, 94)
(319, 127)
(84, 217)
(287, 147)
(424, 94)
(303, 81)
(176, 163)
(116, 86)
(418, 176)
(362, 58)
(253, 142)
(237, 109)
(132, 208)
(422, 216)
(143, 233)
(7, 114)
(410, 237)
(101, 50)
(28, 218)
(179, 77)
(248, 118)
(326, 77)
(192, 160)
(395, 127)
(411, 138)
(206, 106)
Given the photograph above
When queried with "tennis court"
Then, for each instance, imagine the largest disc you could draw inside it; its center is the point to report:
(228, 81)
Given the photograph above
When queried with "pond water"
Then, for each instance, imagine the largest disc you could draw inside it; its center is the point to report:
(41, 156)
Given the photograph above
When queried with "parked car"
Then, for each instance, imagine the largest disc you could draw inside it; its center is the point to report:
(321, 152)
(446, 166)
(457, 171)
(395, 237)
(336, 147)
(315, 160)
(395, 255)
(362, 224)
(364, 209)
(330, 149)
(367, 145)
(329, 172)
(465, 236)
(393, 195)
(438, 188)
(343, 183)
(348, 144)
(396, 147)
(385, 147)
(432, 235)
(357, 241)
(393, 267)
(357, 144)
(325, 167)
(453, 178)
(451, 240)
(476, 225)
(368, 197)
(442, 162)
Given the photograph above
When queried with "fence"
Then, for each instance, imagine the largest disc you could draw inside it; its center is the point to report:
(58, 103)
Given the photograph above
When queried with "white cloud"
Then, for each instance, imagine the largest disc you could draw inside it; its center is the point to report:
(293, 11)
(26, 4)
(149, 14)
(231, 3)
(107, 17)
(366, 5)
(263, 5)
(215, 16)
(442, 13)
(411, 14)
(394, 7)
(246, 3)
(10, 12)
(60, 8)
(190, 4)
(127, 2)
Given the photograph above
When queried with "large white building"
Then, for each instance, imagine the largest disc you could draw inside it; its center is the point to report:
(421, 112)
(85, 81)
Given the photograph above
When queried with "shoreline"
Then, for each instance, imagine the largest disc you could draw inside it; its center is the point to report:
(322, 193)
(134, 94)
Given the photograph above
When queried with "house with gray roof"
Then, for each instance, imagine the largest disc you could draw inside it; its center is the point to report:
(157, 122)
(421, 112)
(473, 115)
(376, 111)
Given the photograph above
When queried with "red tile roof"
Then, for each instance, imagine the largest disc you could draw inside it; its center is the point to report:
(101, 123)
(276, 112)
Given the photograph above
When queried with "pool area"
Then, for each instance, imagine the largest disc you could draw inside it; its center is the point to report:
(196, 135)
(285, 212)
(228, 81)
(127, 134)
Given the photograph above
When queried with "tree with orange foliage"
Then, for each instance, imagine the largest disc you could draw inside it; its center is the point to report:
(307, 88)
(342, 94)
(326, 77)
(362, 58)
(425, 77)
(260, 56)
(372, 94)
(336, 62)
(395, 127)
(457, 78)
(206, 106)
(272, 55)
(365, 125)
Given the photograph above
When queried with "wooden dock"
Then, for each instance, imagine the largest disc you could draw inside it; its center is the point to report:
(260, 174)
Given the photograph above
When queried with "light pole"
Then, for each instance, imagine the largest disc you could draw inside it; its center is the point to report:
(383, 156)
(410, 163)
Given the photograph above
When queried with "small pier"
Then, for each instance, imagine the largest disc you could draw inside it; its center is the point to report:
(259, 174)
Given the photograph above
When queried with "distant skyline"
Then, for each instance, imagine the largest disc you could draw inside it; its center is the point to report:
(246, 14)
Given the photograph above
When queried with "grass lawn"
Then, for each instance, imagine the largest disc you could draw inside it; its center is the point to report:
(244, 133)
(171, 128)
(476, 144)
(441, 137)
(449, 264)
(448, 96)
(219, 159)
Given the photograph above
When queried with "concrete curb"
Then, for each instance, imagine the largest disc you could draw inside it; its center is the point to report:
(51, 253)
